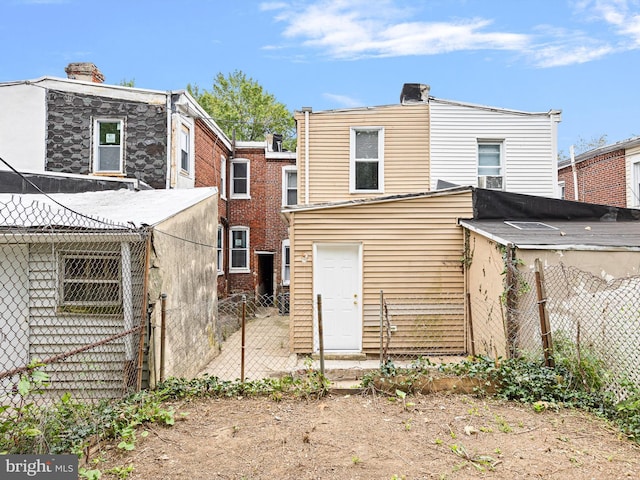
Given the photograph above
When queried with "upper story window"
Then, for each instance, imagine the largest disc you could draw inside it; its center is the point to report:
(635, 201)
(223, 177)
(561, 190)
(289, 185)
(490, 165)
(185, 148)
(367, 160)
(286, 262)
(239, 249)
(220, 250)
(240, 178)
(108, 148)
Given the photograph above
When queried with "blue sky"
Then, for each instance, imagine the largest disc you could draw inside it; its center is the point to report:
(579, 56)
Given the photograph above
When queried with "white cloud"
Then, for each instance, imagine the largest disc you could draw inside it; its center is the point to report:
(342, 100)
(354, 29)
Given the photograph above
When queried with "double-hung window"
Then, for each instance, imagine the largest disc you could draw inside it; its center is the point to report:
(367, 160)
(185, 149)
(239, 249)
(289, 185)
(223, 177)
(240, 178)
(286, 262)
(108, 148)
(220, 250)
(490, 165)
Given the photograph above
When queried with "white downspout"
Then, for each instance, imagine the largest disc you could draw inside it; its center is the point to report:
(169, 146)
(575, 173)
(306, 111)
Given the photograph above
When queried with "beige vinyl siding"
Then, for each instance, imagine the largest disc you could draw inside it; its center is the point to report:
(411, 248)
(406, 150)
(95, 373)
(529, 146)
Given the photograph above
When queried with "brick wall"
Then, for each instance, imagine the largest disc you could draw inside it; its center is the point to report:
(601, 179)
(261, 214)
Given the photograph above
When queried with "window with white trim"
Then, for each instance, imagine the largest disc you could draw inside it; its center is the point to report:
(286, 262)
(185, 148)
(220, 250)
(367, 160)
(289, 185)
(108, 151)
(240, 178)
(90, 279)
(635, 201)
(561, 189)
(490, 168)
(223, 177)
(239, 249)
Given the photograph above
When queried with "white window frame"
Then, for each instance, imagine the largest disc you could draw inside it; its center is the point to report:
(500, 167)
(96, 145)
(184, 149)
(188, 125)
(247, 267)
(223, 177)
(247, 194)
(286, 188)
(220, 250)
(353, 160)
(65, 279)
(286, 267)
(562, 188)
(635, 191)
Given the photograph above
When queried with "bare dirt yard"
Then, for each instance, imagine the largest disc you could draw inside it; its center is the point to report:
(373, 436)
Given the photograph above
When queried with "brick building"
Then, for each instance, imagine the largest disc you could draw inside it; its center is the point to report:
(608, 175)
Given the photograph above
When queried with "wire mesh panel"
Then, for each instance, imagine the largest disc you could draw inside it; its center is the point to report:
(260, 348)
(71, 292)
(422, 325)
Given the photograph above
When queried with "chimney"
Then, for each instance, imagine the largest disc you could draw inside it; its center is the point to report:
(84, 71)
(414, 92)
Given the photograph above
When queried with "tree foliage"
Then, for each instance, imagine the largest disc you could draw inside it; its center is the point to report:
(584, 145)
(239, 104)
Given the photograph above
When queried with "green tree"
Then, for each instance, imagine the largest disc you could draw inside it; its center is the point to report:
(584, 145)
(239, 104)
(127, 83)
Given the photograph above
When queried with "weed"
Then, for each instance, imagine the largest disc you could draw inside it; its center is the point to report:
(355, 460)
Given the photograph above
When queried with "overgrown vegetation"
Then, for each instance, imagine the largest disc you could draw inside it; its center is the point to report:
(30, 425)
(578, 380)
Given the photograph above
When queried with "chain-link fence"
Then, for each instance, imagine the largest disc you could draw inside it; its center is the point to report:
(564, 312)
(254, 334)
(71, 300)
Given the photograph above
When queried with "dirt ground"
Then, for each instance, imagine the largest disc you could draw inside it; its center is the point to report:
(441, 436)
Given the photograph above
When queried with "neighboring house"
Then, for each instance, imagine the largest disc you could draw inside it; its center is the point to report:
(369, 218)
(603, 241)
(80, 125)
(409, 147)
(74, 273)
(262, 179)
(608, 175)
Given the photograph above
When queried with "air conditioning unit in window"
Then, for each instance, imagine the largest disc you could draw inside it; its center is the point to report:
(492, 182)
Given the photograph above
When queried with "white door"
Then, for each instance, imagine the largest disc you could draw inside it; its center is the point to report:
(337, 278)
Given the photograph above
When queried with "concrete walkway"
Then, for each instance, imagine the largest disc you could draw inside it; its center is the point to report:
(267, 355)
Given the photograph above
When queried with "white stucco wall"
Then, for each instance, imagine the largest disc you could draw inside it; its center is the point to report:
(22, 127)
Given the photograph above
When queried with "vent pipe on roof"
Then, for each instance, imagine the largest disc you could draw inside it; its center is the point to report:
(414, 92)
(86, 71)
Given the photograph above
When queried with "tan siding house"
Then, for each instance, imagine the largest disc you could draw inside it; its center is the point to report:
(325, 151)
(407, 246)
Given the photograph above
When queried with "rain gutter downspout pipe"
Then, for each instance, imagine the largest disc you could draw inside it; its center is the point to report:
(307, 111)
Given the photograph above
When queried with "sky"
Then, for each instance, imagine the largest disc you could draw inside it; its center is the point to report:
(578, 56)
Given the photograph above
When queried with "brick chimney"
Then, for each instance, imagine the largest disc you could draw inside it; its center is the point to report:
(84, 71)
